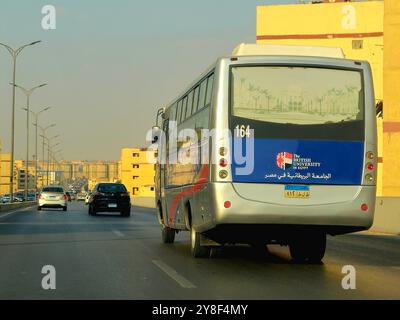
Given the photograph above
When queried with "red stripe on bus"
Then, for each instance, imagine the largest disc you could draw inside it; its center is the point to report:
(320, 36)
(199, 185)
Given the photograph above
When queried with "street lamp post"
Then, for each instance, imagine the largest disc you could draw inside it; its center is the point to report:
(36, 124)
(28, 93)
(51, 154)
(43, 136)
(55, 162)
(14, 54)
(49, 151)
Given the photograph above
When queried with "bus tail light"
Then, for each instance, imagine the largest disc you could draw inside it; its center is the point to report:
(227, 204)
(370, 155)
(364, 207)
(370, 166)
(222, 152)
(369, 178)
(223, 174)
(223, 162)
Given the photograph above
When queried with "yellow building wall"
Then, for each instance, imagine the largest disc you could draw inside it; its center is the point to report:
(139, 181)
(329, 24)
(4, 173)
(391, 124)
(5, 159)
(342, 24)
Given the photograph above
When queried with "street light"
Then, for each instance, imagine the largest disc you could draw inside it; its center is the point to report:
(43, 135)
(36, 124)
(14, 54)
(28, 93)
(56, 164)
(48, 155)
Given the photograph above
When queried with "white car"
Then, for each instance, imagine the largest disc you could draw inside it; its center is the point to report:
(52, 197)
(87, 198)
(81, 197)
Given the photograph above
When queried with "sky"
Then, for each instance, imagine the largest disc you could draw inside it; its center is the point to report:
(110, 65)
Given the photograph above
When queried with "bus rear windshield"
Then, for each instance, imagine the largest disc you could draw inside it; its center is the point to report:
(284, 102)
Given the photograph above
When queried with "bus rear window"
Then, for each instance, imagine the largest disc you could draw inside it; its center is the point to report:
(301, 99)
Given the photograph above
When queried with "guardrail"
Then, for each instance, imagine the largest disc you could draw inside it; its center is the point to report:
(6, 207)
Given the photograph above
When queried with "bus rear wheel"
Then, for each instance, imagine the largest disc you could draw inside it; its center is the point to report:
(198, 251)
(167, 235)
(308, 248)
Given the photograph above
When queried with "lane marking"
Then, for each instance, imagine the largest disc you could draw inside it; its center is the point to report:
(15, 211)
(118, 233)
(182, 281)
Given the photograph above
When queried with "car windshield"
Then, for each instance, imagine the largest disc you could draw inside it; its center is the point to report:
(111, 188)
(53, 189)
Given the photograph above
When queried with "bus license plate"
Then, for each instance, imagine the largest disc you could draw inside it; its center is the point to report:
(298, 192)
(112, 205)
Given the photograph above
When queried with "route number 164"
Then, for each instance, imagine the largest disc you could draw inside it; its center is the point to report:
(243, 131)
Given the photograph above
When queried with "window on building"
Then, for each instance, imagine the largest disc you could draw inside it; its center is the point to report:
(152, 188)
(357, 44)
(135, 177)
(135, 155)
(135, 191)
(135, 166)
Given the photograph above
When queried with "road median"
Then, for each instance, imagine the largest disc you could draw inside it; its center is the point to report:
(7, 207)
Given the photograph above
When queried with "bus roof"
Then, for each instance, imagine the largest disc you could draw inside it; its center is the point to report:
(245, 49)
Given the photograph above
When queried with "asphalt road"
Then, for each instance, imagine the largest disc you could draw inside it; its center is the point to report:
(109, 257)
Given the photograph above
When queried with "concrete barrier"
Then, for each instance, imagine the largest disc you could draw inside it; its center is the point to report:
(387, 215)
(17, 205)
(145, 202)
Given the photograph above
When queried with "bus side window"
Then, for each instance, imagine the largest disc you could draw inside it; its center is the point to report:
(202, 98)
(178, 115)
(210, 85)
(173, 113)
(184, 105)
(195, 100)
(189, 105)
(202, 121)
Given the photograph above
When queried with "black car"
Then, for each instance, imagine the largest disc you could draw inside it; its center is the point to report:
(110, 197)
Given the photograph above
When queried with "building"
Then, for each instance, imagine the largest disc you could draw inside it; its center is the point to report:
(93, 171)
(356, 27)
(138, 172)
(391, 79)
(5, 160)
(20, 165)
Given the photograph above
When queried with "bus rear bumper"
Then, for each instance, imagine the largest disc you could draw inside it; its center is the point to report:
(336, 217)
